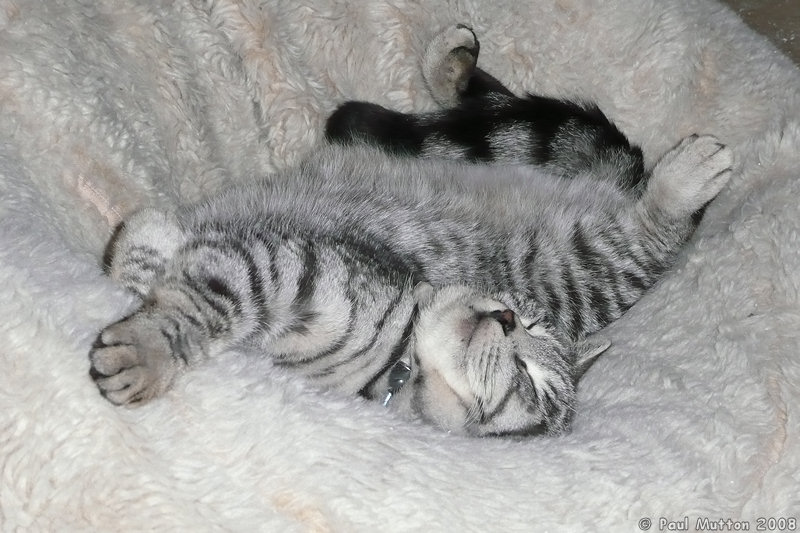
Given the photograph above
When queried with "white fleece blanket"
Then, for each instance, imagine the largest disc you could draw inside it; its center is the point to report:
(109, 105)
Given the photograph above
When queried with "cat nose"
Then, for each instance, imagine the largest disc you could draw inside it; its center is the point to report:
(506, 320)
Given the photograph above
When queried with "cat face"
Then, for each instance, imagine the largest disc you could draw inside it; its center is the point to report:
(481, 369)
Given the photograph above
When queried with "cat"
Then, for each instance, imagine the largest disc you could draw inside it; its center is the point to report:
(459, 293)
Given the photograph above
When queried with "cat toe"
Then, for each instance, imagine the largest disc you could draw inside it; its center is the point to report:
(109, 356)
(709, 167)
(702, 155)
(118, 373)
(123, 388)
(457, 37)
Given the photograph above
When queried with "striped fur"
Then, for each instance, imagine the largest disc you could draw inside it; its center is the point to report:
(484, 280)
(484, 122)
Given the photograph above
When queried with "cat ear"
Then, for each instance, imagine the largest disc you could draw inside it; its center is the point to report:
(588, 350)
(423, 293)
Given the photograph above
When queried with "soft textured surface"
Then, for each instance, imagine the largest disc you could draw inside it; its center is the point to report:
(107, 106)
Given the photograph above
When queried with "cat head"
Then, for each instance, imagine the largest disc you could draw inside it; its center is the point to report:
(481, 369)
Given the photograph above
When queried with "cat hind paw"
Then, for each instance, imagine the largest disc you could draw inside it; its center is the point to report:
(448, 63)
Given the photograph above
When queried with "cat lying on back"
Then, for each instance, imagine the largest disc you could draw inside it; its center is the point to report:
(457, 292)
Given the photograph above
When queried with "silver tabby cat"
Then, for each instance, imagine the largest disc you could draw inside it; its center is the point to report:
(459, 293)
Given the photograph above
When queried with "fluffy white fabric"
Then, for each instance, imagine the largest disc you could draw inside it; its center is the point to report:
(106, 106)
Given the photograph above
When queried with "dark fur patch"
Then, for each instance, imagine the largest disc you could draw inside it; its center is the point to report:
(362, 121)
(110, 249)
(488, 108)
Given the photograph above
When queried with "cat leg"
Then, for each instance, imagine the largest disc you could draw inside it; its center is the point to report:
(206, 298)
(483, 121)
(130, 360)
(688, 177)
(450, 72)
(210, 299)
(140, 248)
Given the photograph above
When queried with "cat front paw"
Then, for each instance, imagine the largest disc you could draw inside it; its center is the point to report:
(132, 361)
(448, 63)
(691, 175)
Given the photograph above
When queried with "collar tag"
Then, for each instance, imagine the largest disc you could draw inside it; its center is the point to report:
(398, 376)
